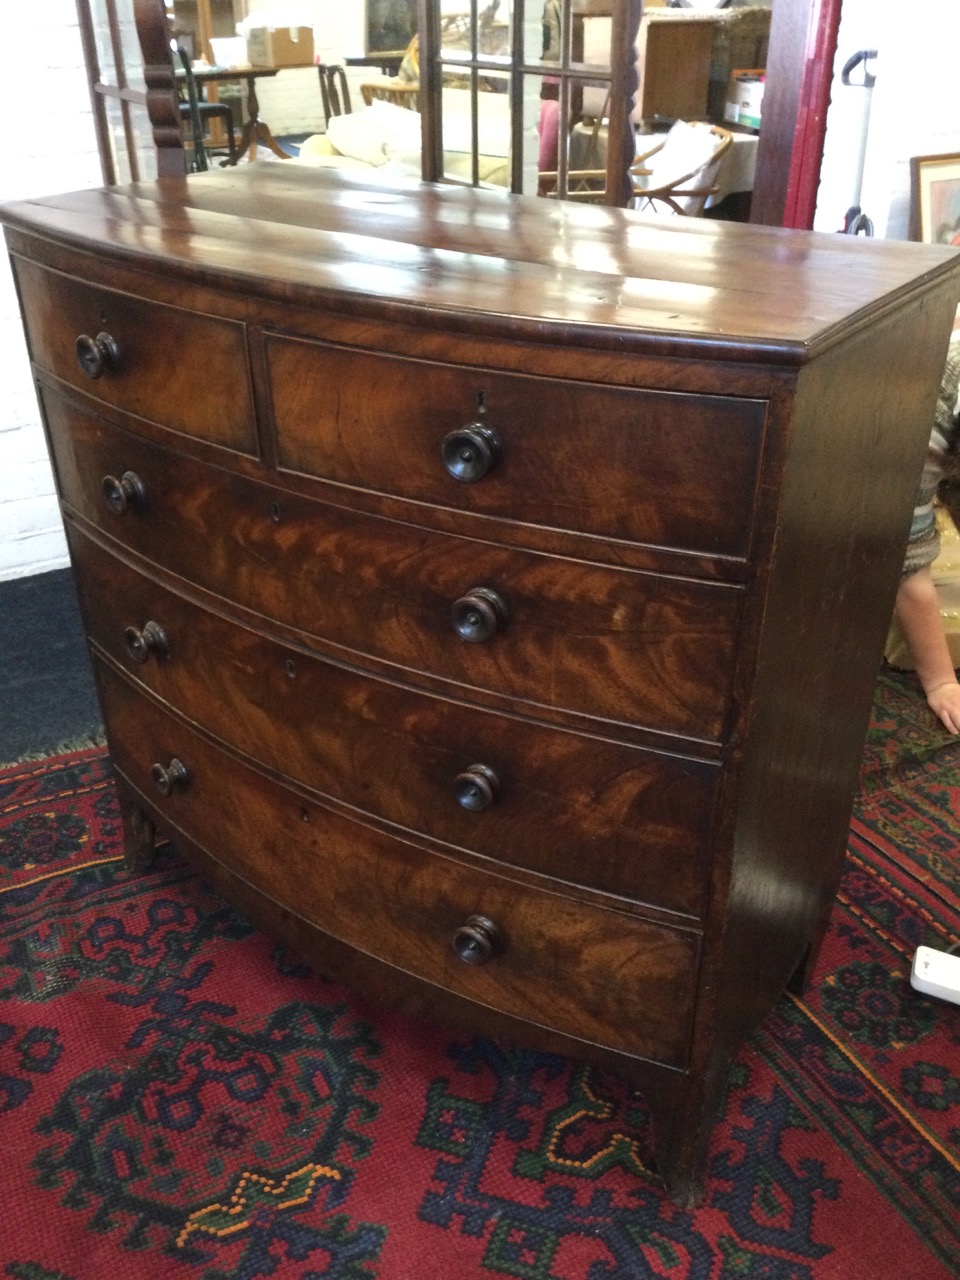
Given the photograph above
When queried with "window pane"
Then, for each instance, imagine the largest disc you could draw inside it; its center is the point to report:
(476, 121)
(130, 46)
(101, 35)
(544, 32)
(143, 142)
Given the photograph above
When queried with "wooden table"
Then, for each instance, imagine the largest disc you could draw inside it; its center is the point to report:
(254, 129)
(388, 61)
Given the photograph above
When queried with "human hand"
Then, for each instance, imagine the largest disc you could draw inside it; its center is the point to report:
(944, 700)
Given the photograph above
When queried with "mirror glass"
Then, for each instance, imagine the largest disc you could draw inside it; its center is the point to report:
(524, 93)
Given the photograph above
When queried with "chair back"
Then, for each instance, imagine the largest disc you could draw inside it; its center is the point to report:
(679, 174)
(198, 164)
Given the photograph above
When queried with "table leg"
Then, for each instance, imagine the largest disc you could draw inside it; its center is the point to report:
(256, 130)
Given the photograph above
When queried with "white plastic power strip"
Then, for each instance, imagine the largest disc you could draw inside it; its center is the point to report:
(936, 973)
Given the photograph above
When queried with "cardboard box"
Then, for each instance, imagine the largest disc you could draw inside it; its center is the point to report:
(280, 46)
(745, 98)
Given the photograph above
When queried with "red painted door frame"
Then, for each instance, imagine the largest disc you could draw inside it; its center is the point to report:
(803, 44)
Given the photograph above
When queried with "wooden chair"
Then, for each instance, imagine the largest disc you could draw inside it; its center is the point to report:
(334, 90)
(678, 175)
(196, 113)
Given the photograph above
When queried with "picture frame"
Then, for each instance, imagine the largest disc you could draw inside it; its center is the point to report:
(935, 199)
(390, 25)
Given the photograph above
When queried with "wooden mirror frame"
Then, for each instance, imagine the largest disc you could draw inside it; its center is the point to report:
(153, 31)
(799, 25)
(162, 108)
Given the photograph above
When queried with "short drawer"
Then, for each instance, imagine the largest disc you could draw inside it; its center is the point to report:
(179, 368)
(610, 643)
(585, 810)
(662, 468)
(600, 975)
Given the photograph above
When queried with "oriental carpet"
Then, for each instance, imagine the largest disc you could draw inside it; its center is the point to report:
(179, 1098)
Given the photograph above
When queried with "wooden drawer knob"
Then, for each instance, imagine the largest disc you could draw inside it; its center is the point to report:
(150, 641)
(97, 356)
(477, 941)
(470, 453)
(174, 777)
(476, 788)
(479, 615)
(129, 493)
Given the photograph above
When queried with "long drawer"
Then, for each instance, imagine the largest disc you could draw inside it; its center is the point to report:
(610, 643)
(585, 810)
(608, 461)
(197, 384)
(597, 974)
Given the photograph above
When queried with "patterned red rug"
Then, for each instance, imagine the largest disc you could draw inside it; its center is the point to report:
(179, 1098)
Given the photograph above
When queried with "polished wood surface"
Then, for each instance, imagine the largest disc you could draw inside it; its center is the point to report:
(626, 980)
(654, 286)
(538, 475)
(572, 624)
(611, 817)
(488, 593)
(142, 378)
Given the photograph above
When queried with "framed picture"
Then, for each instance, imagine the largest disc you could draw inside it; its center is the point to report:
(935, 199)
(391, 25)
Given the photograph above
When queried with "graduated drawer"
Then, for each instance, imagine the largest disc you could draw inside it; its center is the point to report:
(585, 810)
(601, 975)
(606, 642)
(662, 468)
(180, 368)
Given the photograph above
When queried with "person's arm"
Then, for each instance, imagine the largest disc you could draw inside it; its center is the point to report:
(918, 612)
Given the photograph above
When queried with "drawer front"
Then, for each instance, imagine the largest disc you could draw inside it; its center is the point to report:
(187, 371)
(622, 820)
(661, 468)
(610, 643)
(597, 974)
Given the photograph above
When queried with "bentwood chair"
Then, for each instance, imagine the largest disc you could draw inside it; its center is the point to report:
(679, 174)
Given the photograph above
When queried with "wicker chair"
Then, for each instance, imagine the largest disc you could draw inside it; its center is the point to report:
(403, 89)
(679, 174)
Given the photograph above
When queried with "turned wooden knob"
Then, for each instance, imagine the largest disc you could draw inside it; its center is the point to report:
(469, 453)
(477, 941)
(174, 776)
(476, 788)
(129, 493)
(150, 641)
(479, 615)
(97, 356)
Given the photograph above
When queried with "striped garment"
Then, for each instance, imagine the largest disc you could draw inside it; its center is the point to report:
(923, 546)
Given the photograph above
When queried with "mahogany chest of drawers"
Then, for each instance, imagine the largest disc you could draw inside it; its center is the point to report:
(489, 593)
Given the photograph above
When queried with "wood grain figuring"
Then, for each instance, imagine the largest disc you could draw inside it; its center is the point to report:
(646, 453)
(604, 693)
(157, 374)
(580, 635)
(631, 823)
(617, 972)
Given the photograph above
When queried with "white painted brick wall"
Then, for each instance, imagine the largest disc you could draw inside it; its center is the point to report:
(913, 109)
(49, 147)
(291, 103)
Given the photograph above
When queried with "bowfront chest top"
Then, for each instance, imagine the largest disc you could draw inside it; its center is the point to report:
(489, 592)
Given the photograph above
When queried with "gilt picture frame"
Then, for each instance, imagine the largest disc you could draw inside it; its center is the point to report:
(935, 199)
